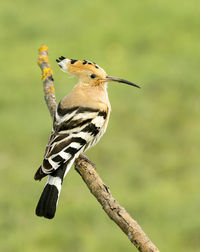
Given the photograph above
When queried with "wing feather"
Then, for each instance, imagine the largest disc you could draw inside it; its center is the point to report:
(74, 130)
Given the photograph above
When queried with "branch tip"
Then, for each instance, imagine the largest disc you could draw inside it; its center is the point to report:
(43, 48)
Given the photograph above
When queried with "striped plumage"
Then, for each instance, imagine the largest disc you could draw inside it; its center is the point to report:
(80, 120)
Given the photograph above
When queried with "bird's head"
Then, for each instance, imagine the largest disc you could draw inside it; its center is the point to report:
(88, 72)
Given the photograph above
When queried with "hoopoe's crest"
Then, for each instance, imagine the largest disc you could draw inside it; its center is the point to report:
(88, 72)
(80, 120)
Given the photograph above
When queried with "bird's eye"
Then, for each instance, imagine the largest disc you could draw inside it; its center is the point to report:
(92, 76)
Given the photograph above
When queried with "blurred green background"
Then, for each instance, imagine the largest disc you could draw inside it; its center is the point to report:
(149, 156)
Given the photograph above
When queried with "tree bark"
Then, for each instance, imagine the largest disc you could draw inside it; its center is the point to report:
(87, 171)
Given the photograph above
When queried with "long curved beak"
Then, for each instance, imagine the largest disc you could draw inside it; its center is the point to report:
(111, 78)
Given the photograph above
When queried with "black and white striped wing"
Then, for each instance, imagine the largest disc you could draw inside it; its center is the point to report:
(75, 130)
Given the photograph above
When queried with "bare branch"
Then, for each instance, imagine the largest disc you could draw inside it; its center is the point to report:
(86, 169)
(113, 209)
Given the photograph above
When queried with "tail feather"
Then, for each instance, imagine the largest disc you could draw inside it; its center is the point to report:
(48, 201)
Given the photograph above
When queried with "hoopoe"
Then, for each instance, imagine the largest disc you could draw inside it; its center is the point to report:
(80, 120)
